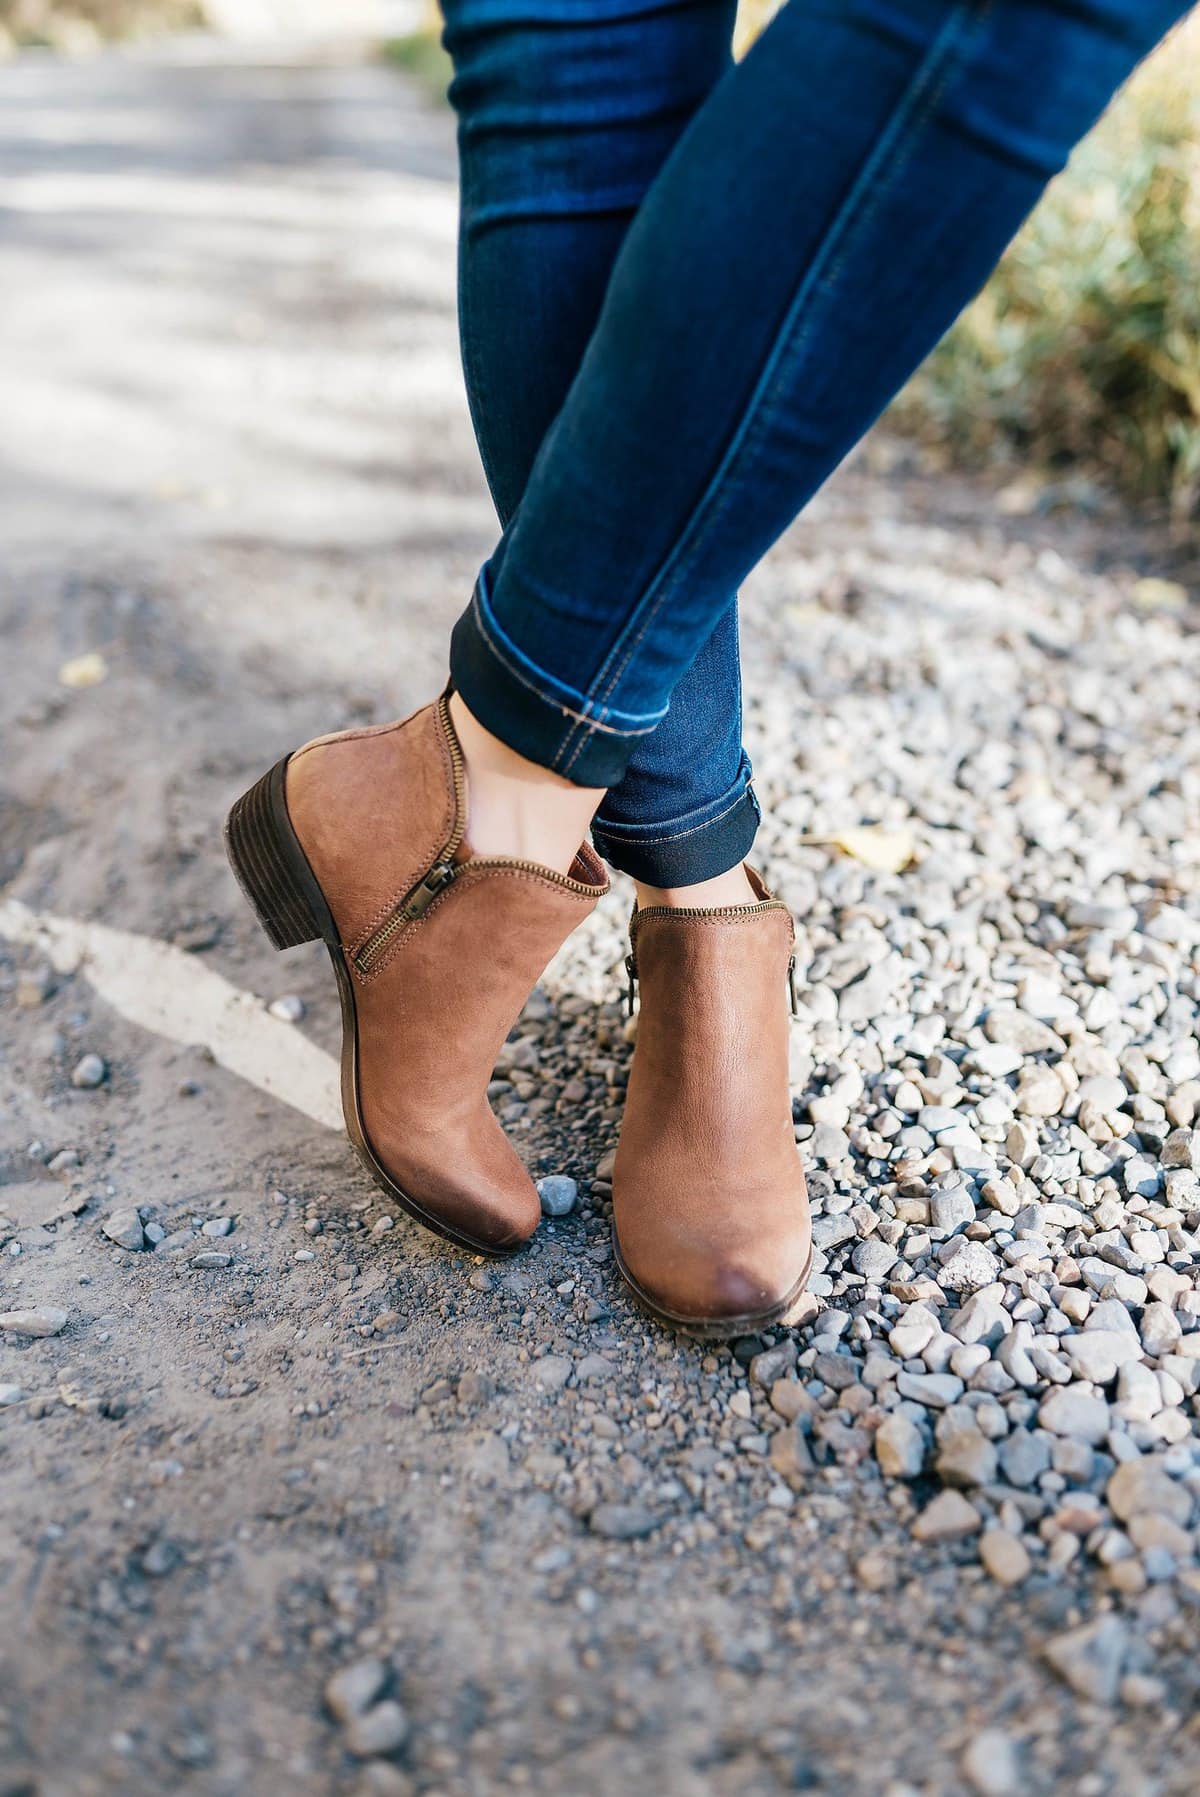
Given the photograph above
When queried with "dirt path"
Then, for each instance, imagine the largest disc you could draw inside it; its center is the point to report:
(237, 466)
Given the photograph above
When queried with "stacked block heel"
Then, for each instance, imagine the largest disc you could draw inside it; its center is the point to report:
(271, 868)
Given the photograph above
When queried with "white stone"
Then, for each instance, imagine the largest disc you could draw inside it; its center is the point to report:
(1073, 1411)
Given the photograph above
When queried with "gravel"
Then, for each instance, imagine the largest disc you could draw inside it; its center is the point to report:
(693, 1565)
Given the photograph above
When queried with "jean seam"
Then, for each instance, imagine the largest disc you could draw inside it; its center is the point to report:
(601, 829)
(546, 699)
(921, 94)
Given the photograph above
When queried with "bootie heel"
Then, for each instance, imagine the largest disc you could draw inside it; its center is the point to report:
(271, 867)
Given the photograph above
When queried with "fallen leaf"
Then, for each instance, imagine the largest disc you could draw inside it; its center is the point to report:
(1153, 594)
(84, 670)
(886, 851)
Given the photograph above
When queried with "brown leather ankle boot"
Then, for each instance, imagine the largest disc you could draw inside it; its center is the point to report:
(361, 839)
(710, 1212)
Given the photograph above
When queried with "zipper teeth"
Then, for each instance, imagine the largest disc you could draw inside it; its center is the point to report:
(380, 938)
(370, 950)
(459, 770)
(708, 910)
(533, 867)
(693, 911)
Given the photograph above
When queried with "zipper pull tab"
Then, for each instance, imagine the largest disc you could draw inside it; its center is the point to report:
(419, 901)
(631, 975)
(792, 985)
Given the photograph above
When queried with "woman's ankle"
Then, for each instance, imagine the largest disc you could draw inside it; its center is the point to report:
(731, 888)
(514, 807)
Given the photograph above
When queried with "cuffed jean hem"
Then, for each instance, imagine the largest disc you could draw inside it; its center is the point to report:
(530, 710)
(684, 853)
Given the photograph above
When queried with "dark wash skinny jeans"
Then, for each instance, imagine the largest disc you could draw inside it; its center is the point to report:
(686, 290)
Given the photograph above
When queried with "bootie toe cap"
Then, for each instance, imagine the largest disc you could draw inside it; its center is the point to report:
(713, 1275)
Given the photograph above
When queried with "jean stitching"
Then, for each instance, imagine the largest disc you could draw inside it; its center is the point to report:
(912, 110)
(546, 699)
(604, 830)
(633, 722)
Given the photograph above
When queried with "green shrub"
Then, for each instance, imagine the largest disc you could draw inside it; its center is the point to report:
(1085, 345)
(80, 24)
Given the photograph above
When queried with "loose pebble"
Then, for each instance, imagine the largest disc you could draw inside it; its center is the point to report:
(558, 1194)
(88, 1072)
(38, 1320)
(124, 1227)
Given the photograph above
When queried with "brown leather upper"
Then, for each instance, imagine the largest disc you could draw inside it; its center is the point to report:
(709, 1201)
(373, 810)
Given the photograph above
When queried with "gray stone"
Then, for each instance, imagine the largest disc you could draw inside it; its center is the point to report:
(1004, 1557)
(1182, 1149)
(10, 1394)
(1098, 1354)
(1160, 1330)
(552, 1371)
(951, 1210)
(899, 1447)
(981, 1319)
(1141, 1178)
(378, 1732)
(37, 1320)
(1142, 1487)
(1090, 1659)
(1071, 1410)
(124, 1227)
(623, 1522)
(772, 1364)
(217, 1227)
(990, 1764)
(828, 1144)
(1104, 1091)
(594, 1369)
(1021, 1142)
(830, 1232)
(558, 1194)
(873, 1259)
(1013, 1355)
(1040, 1093)
(1004, 1023)
(934, 1390)
(354, 1689)
(1110, 1313)
(1139, 1394)
(973, 1267)
(89, 1071)
(289, 1008)
(947, 1518)
(913, 1332)
(1024, 1457)
(966, 1459)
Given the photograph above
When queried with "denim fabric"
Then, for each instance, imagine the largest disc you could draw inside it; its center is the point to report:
(567, 112)
(819, 220)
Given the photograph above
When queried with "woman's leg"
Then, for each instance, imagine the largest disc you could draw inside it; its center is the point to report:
(830, 208)
(565, 118)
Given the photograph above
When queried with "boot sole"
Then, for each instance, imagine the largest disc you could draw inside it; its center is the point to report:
(714, 1328)
(285, 895)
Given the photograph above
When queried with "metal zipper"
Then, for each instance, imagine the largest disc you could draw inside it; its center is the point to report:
(706, 911)
(418, 899)
(445, 869)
